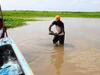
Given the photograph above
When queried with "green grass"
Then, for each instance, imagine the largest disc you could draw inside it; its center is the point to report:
(12, 22)
(18, 18)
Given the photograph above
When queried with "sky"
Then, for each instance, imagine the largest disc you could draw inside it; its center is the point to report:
(51, 5)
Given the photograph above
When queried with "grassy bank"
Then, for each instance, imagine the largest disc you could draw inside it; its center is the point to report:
(12, 21)
(18, 18)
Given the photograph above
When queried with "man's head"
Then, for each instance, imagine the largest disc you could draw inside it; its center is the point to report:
(57, 18)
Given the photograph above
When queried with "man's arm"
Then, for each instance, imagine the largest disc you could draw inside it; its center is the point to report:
(51, 26)
(62, 29)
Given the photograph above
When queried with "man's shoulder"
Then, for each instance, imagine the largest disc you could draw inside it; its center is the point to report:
(54, 22)
(62, 22)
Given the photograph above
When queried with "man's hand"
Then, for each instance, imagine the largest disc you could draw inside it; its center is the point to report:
(55, 33)
(50, 32)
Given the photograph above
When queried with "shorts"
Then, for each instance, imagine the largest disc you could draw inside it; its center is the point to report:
(59, 39)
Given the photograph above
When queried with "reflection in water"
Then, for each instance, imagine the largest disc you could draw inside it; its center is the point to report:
(57, 58)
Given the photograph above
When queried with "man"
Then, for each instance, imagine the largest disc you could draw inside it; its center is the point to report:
(2, 29)
(60, 33)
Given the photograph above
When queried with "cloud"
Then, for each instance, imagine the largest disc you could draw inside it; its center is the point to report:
(55, 5)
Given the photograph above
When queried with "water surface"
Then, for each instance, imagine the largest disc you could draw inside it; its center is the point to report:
(79, 56)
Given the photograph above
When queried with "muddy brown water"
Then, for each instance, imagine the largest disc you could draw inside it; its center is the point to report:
(79, 56)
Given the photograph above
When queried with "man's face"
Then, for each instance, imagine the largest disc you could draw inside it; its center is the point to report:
(57, 19)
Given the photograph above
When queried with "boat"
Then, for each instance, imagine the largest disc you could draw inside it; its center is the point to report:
(12, 62)
(11, 59)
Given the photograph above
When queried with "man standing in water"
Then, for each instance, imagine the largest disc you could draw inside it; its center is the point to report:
(59, 33)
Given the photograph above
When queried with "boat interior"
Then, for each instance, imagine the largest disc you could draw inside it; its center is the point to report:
(7, 54)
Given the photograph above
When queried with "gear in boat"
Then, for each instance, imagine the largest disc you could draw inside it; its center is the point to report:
(8, 61)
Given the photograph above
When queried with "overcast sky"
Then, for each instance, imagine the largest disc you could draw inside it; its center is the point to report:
(51, 5)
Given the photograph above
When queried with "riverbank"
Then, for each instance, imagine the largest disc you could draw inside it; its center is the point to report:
(19, 18)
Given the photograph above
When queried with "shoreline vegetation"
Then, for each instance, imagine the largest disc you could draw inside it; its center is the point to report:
(15, 18)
